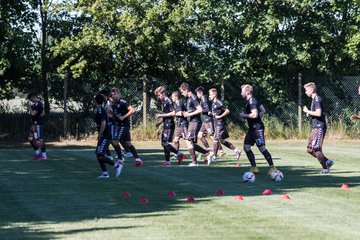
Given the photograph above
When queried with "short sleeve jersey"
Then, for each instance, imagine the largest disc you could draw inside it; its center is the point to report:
(318, 122)
(108, 106)
(101, 116)
(38, 106)
(191, 104)
(180, 120)
(218, 108)
(167, 107)
(206, 108)
(120, 108)
(254, 123)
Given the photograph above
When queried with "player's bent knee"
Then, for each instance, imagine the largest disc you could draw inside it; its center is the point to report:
(262, 148)
(310, 150)
(164, 144)
(247, 148)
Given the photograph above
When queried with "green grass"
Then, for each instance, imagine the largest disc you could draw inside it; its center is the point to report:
(61, 198)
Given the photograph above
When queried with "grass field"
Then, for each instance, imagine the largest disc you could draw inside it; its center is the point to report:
(61, 198)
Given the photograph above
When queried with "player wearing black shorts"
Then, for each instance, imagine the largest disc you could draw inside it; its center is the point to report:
(104, 138)
(207, 126)
(219, 111)
(36, 138)
(181, 123)
(168, 113)
(193, 112)
(317, 116)
(255, 134)
(112, 126)
(121, 112)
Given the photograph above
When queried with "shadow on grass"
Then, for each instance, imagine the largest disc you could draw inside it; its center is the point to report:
(64, 189)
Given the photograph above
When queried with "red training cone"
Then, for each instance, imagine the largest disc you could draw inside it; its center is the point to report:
(238, 165)
(267, 192)
(144, 201)
(190, 199)
(171, 194)
(126, 194)
(239, 198)
(286, 197)
(219, 192)
(345, 186)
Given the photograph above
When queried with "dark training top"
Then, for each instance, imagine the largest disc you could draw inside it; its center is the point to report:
(218, 108)
(206, 108)
(318, 122)
(120, 108)
(38, 106)
(254, 123)
(99, 118)
(191, 104)
(167, 107)
(180, 120)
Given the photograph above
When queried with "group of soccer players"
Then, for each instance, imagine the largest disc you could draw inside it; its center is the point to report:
(201, 116)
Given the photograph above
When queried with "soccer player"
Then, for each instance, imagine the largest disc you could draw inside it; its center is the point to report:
(255, 134)
(193, 113)
(317, 116)
(122, 111)
(355, 116)
(167, 114)
(219, 111)
(104, 139)
(112, 127)
(181, 121)
(207, 126)
(36, 138)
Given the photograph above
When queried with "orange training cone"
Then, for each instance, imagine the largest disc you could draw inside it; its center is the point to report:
(345, 186)
(219, 192)
(144, 201)
(286, 197)
(238, 165)
(126, 194)
(267, 192)
(190, 199)
(239, 198)
(171, 194)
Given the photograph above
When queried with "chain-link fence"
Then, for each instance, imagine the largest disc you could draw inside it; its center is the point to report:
(340, 98)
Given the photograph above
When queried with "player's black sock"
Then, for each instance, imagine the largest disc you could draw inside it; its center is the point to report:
(228, 145)
(199, 149)
(268, 157)
(172, 149)
(43, 148)
(117, 150)
(167, 153)
(33, 145)
(133, 151)
(251, 158)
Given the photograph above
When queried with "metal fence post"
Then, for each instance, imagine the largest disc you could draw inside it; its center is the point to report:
(299, 102)
(144, 104)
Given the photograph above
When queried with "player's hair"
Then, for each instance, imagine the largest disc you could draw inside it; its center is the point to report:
(105, 92)
(114, 89)
(100, 99)
(310, 85)
(200, 89)
(31, 94)
(176, 93)
(160, 90)
(184, 87)
(214, 90)
(247, 87)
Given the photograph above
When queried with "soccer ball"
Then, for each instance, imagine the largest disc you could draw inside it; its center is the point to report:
(249, 177)
(277, 176)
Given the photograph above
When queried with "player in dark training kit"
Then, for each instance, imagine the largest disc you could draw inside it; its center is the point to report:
(167, 114)
(317, 116)
(36, 138)
(219, 111)
(180, 121)
(193, 112)
(104, 139)
(207, 126)
(255, 134)
(121, 113)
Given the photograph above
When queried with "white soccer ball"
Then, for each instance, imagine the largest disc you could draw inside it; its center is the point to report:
(277, 176)
(249, 177)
